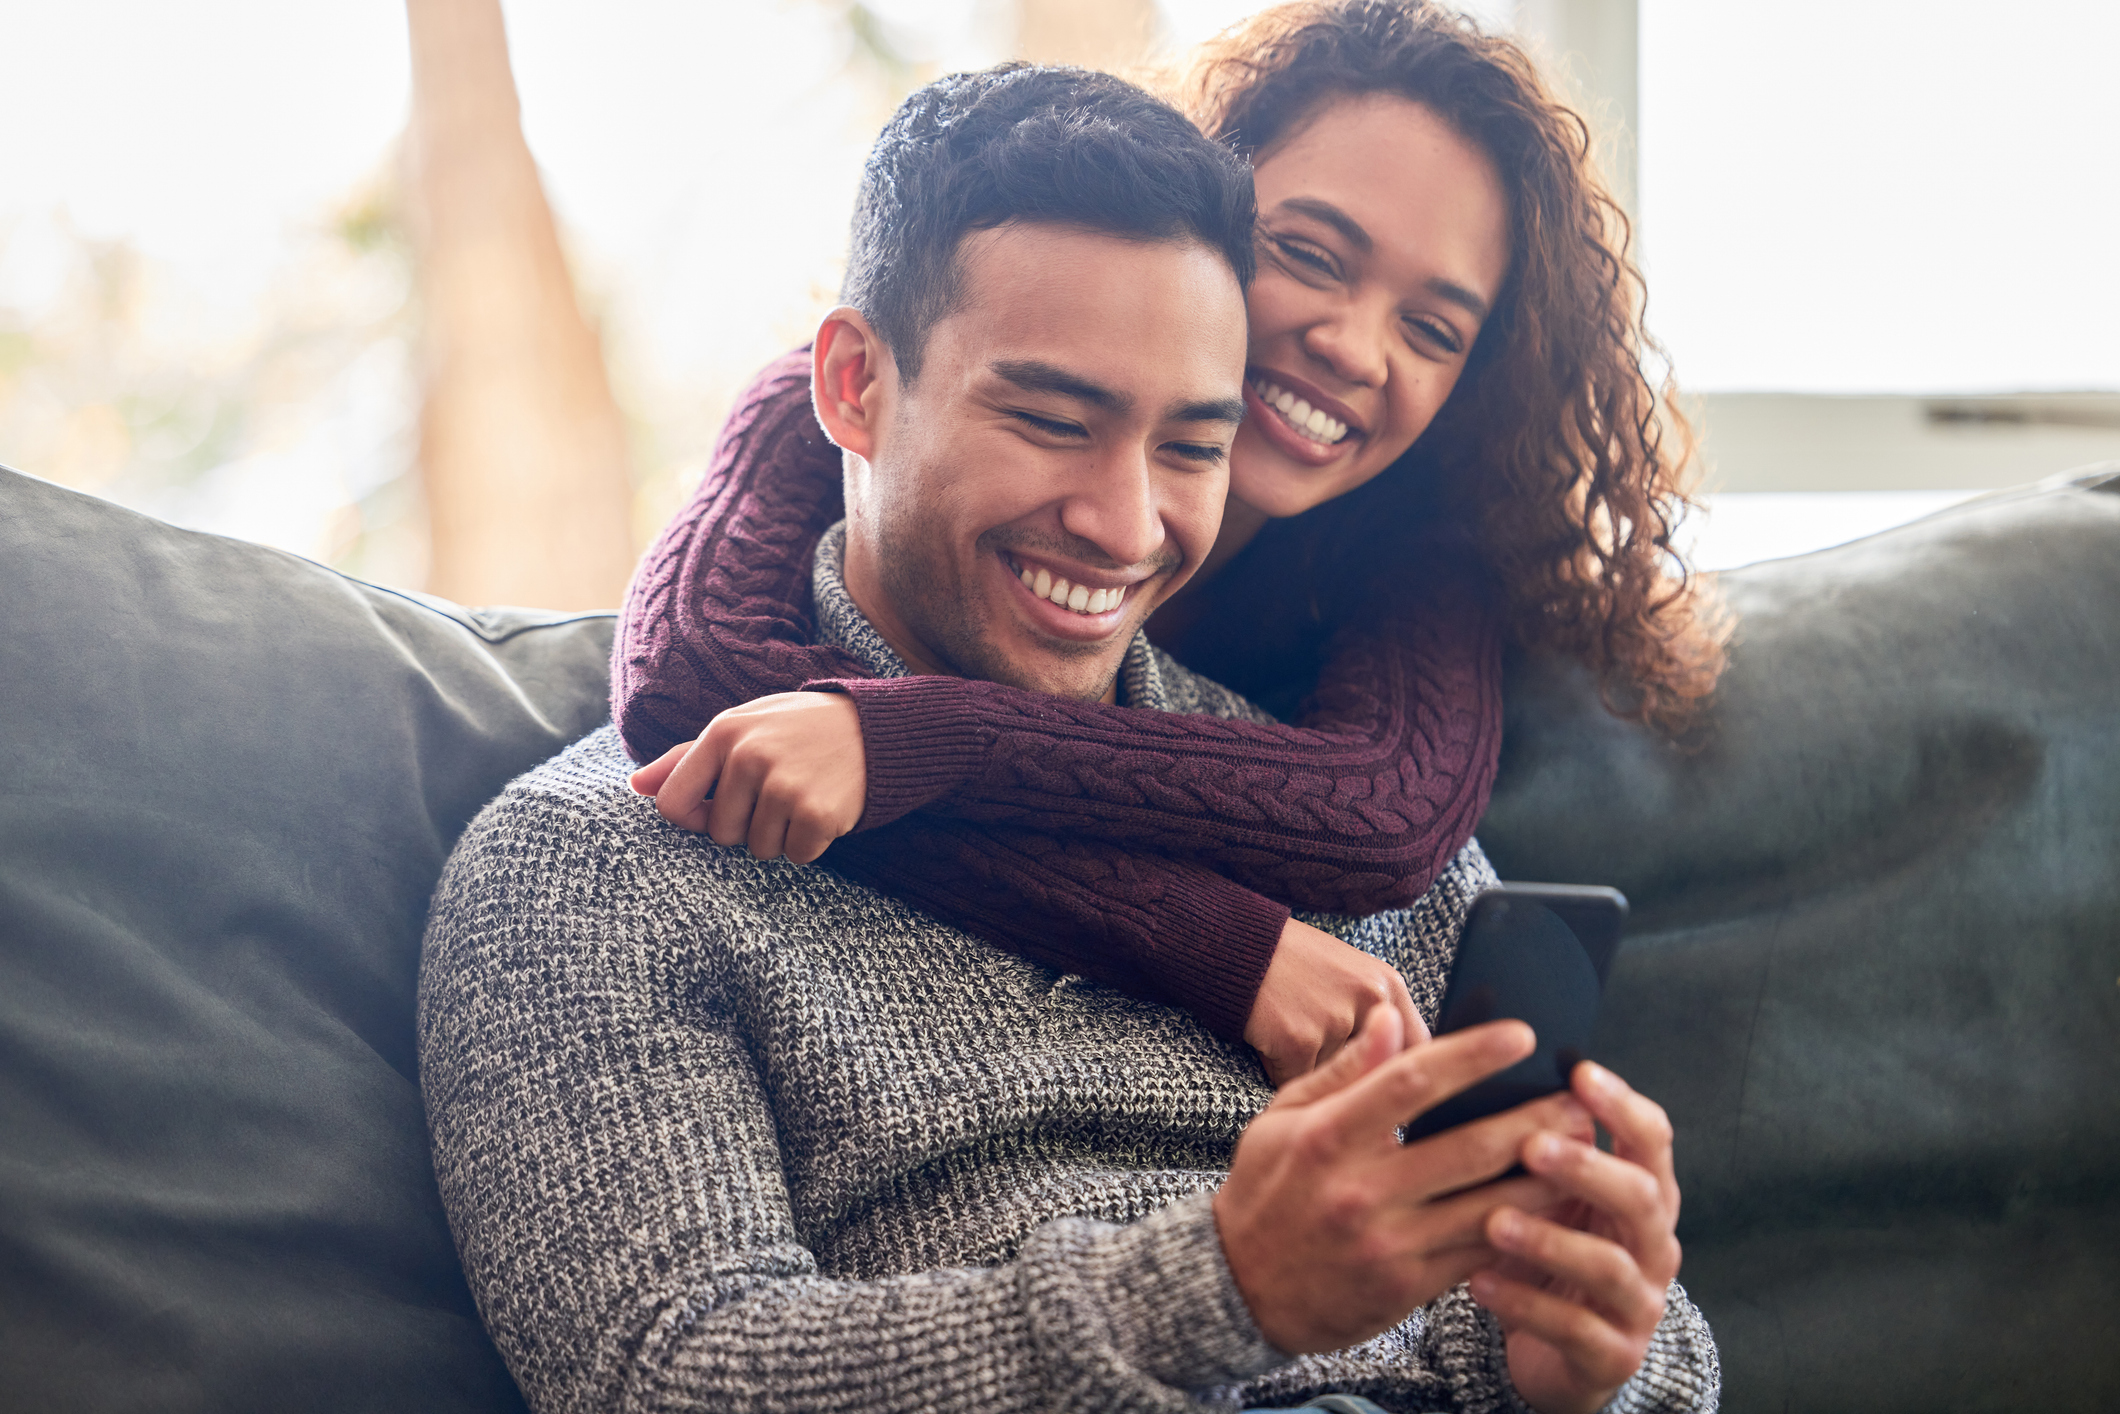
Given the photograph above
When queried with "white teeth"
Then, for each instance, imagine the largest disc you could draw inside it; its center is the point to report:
(1078, 597)
(1314, 423)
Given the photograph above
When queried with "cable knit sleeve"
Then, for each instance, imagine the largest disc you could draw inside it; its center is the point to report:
(718, 610)
(1355, 809)
(1179, 841)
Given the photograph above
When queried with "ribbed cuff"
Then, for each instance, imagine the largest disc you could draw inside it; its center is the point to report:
(920, 741)
(1471, 1352)
(1681, 1370)
(1212, 942)
(1154, 1297)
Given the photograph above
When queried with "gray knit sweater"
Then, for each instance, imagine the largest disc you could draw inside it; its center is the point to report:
(714, 1133)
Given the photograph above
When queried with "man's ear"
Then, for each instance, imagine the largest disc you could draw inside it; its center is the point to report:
(849, 372)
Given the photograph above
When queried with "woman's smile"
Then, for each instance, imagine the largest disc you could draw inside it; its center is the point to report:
(1300, 418)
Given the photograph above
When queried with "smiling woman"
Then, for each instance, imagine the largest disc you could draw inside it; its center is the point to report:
(1377, 289)
(1551, 456)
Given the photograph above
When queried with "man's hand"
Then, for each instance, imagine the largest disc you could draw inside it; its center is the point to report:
(1580, 1291)
(1316, 992)
(785, 774)
(1332, 1228)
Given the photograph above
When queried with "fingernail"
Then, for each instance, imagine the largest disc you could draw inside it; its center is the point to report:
(1543, 1149)
(1482, 1287)
(1508, 1227)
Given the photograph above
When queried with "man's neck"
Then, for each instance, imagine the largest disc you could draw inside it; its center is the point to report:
(864, 584)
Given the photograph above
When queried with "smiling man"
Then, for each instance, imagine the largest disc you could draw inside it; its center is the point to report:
(722, 1132)
(1058, 452)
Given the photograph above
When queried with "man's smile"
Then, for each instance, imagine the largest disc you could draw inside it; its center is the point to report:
(1084, 605)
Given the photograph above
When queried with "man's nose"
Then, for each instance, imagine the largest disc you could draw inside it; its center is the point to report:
(1112, 505)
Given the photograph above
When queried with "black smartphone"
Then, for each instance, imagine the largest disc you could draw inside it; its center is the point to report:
(1538, 953)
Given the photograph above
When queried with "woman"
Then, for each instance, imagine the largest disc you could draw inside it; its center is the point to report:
(1448, 443)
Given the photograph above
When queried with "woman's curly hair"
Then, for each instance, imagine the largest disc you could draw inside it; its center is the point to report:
(1555, 452)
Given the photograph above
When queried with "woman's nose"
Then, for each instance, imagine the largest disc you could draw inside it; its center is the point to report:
(1353, 343)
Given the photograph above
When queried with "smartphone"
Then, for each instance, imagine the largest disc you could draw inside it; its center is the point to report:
(1538, 953)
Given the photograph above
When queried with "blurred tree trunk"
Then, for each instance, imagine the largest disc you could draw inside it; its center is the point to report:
(522, 452)
(1114, 35)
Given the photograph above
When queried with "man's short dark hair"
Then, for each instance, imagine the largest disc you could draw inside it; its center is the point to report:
(1029, 143)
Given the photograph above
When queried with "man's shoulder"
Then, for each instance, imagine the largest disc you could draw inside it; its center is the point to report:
(575, 822)
(581, 793)
(570, 840)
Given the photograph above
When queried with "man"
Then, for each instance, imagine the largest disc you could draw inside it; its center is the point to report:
(721, 1132)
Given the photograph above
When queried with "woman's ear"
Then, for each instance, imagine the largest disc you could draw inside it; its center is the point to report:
(849, 368)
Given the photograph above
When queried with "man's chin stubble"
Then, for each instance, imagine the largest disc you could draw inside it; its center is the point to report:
(974, 655)
(952, 633)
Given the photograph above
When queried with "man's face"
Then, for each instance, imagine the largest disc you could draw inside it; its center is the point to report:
(1067, 439)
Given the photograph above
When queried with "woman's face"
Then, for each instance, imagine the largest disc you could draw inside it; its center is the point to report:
(1384, 240)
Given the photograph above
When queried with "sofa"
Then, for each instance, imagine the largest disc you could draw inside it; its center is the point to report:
(1874, 972)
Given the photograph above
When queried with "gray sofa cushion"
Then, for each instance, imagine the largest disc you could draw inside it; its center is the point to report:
(1875, 965)
(228, 779)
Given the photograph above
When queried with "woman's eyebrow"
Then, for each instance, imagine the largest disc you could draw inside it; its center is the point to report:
(1332, 216)
(1351, 230)
(1458, 295)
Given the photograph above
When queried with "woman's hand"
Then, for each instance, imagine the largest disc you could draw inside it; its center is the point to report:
(1315, 994)
(1579, 1293)
(784, 774)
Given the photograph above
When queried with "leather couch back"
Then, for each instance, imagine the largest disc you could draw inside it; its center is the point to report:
(228, 779)
(1875, 964)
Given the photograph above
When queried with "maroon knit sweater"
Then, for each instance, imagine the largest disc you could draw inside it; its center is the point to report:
(1154, 851)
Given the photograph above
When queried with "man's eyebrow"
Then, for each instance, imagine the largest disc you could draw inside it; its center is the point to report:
(1351, 230)
(1035, 376)
(1208, 410)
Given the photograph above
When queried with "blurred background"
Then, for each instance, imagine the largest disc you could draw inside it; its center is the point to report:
(298, 274)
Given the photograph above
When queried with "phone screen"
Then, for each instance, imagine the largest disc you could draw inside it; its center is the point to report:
(1538, 953)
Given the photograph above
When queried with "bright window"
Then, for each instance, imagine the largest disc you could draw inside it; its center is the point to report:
(1883, 196)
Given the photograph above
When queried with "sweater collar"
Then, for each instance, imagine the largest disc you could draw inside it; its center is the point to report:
(843, 625)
